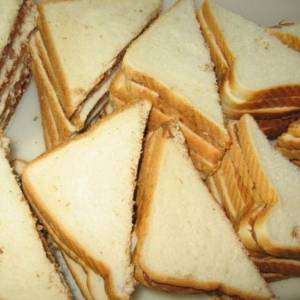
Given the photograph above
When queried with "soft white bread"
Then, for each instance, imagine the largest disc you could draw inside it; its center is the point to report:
(176, 243)
(277, 181)
(95, 29)
(30, 275)
(205, 156)
(112, 146)
(172, 59)
(288, 33)
(255, 45)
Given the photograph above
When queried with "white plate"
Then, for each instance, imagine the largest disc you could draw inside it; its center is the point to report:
(26, 133)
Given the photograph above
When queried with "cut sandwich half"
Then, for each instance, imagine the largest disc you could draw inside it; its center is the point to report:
(26, 271)
(277, 180)
(17, 21)
(288, 33)
(251, 53)
(99, 31)
(184, 240)
(172, 59)
(86, 199)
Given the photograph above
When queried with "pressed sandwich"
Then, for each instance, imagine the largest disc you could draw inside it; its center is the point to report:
(26, 269)
(170, 65)
(86, 198)
(17, 21)
(184, 240)
(80, 46)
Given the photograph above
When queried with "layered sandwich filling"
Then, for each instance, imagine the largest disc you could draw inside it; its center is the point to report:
(15, 60)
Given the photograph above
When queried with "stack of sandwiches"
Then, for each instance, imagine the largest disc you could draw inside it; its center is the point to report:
(28, 269)
(170, 66)
(289, 143)
(18, 20)
(76, 51)
(178, 222)
(259, 190)
(257, 73)
(137, 110)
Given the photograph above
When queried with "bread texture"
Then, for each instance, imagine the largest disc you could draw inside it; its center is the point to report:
(184, 81)
(111, 198)
(105, 29)
(19, 235)
(270, 170)
(175, 208)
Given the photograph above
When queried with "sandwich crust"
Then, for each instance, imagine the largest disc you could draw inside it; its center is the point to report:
(246, 93)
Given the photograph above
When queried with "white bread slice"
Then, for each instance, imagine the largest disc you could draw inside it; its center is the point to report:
(176, 243)
(255, 45)
(30, 275)
(205, 156)
(107, 203)
(99, 31)
(172, 59)
(288, 33)
(270, 172)
(84, 115)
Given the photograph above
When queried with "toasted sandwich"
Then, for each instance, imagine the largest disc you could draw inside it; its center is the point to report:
(17, 21)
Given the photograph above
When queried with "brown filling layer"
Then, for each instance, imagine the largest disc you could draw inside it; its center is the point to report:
(15, 96)
(8, 51)
(25, 11)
